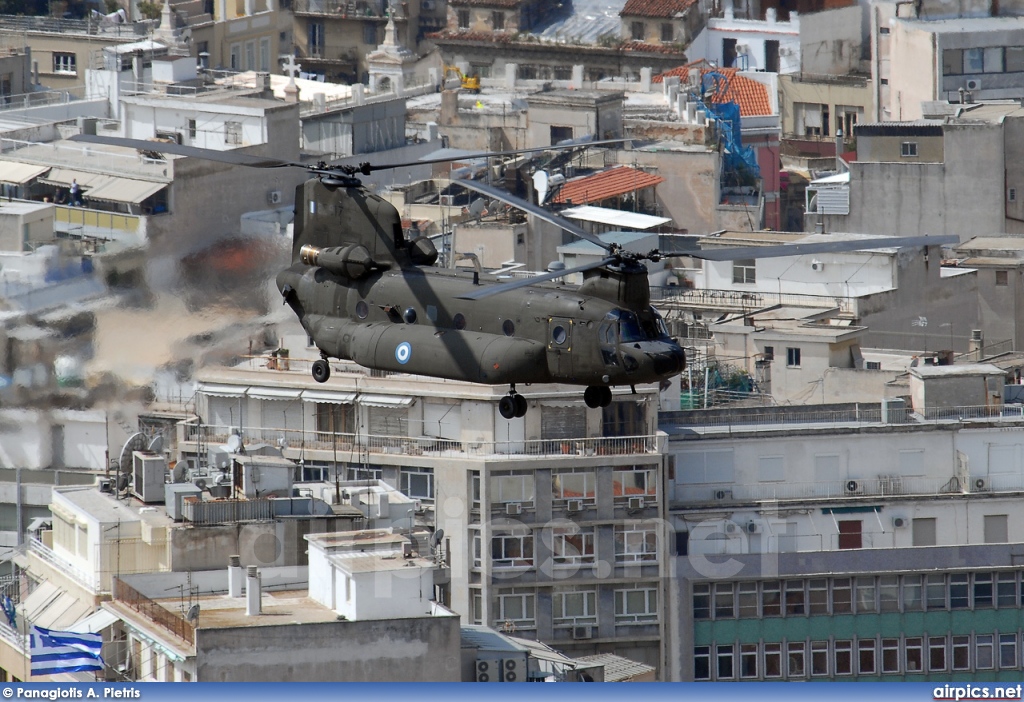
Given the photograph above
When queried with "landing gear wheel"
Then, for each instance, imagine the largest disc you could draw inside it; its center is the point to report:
(321, 371)
(606, 397)
(594, 395)
(520, 405)
(507, 407)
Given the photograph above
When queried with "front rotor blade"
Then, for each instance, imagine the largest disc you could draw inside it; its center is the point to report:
(488, 290)
(540, 212)
(888, 242)
(514, 152)
(164, 147)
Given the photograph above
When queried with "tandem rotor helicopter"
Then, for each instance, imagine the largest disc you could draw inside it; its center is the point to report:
(366, 293)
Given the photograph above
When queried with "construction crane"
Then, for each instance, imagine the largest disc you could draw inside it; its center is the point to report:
(714, 99)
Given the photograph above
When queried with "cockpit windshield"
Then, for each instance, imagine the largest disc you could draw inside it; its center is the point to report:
(645, 326)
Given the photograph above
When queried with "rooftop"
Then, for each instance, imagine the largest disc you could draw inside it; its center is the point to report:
(107, 509)
(957, 370)
(605, 185)
(656, 8)
(751, 95)
(617, 668)
(965, 24)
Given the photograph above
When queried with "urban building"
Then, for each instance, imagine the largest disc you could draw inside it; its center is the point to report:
(673, 23)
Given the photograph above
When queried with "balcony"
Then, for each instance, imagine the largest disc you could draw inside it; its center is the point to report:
(347, 9)
(192, 435)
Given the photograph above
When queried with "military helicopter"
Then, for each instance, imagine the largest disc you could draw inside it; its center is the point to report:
(364, 292)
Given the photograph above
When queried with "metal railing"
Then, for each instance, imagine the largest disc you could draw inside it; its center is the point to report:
(97, 219)
(297, 440)
(47, 554)
(354, 9)
(42, 98)
(56, 25)
(745, 300)
(130, 597)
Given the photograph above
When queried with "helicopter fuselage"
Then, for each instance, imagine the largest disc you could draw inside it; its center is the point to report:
(411, 320)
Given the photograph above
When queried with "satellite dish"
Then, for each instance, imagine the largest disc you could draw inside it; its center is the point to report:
(178, 474)
(540, 184)
(156, 445)
(136, 442)
(556, 266)
(436, 537)
(234, 443)
(221, 479)
(201, 483)
(193, 613)
(477, 207)
(123, 481)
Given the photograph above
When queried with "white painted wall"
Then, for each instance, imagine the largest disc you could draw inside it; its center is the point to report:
(751, 34)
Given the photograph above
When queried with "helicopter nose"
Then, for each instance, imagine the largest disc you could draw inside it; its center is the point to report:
(670, 361)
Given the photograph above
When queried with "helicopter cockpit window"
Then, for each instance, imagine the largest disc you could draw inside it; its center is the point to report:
(645, 326)
(410, 316)
(629, 329)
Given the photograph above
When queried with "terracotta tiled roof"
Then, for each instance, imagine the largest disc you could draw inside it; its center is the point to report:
(486, 3)
(601, 186)
(645, 48)
(489, 37)
(751, 95)
(655, 8)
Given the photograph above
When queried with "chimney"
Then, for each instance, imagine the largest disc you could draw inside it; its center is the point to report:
(234, 576)
(253, 593)
(839, 151)
(976, 344)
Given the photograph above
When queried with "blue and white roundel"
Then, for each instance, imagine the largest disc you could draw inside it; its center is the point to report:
(403, 352)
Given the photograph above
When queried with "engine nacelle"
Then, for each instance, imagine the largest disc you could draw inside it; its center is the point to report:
(353, 261)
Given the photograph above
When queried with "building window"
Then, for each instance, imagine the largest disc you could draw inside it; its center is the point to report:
(866, 595)
(1007, 650)
(773, 660)
(636, 543)
(883, 30)
(993, 61)
(417, 483)
(682, 543)
(771, 599)
(498, 20)
(819, 658)
(889, 593)
(747, 600)
(935, 591)
(961, 653)
(636, 606)
(793, 357)
(370, 34)
(923, 531)
(974, 60)
(995, 529)
(744, 270)
(842, 596)
(1002, 278)
(724, 601)
(701, 663)
(64, 63)
(635, 482)
(476, 606)
(463, 19)
(505, 487)
(849, 533)
(984, 658)
(796, 659)
(668, 33)
(265, 54)
(818, 596)
(748, 660)
(512, 550)
(638, 31)
(911, 593)
(769, 353)
(1006, 590)
(952, 62)
(575, 486)
(233, 133)
(560, 134)
(701, 601)
(1014, 59)
(890, 655)
(843, 657)
(794, 597)
(912, 655)
(1011, 194)
(572, 545)
(873, 365)
(866, 657)
(477, 549)
(908, 149)
(936, 653)
(191, 129)
(250, 55)
(517, 606)
(574, 607)
(982, 590)
(236, 54)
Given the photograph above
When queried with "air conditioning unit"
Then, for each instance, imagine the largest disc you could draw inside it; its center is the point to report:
(731, 528)
(723, 494)
(980, 484)
(753, 528)
(973, 84)
(854, 487)
(418, 507)
(582, 632)
(488, 671)
(513, 670)
(817, 266)
(274, 197)
(513, 509)
(448, 200)
(574, 505)
(569, 170)
(899, 522)
(149, 471)
(636, 503)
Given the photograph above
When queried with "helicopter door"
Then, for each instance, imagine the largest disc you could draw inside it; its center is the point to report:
(560, 346)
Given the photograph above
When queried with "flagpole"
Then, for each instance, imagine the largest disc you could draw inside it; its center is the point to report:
(27, 670)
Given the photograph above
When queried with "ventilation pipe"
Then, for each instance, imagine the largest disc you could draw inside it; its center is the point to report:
(839, 151)
(253, 592)
(234, 576)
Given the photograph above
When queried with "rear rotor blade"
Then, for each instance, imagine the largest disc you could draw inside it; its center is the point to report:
(887, 242)
(540, 212)
(164, 147)
(488, 290)
(515, 152)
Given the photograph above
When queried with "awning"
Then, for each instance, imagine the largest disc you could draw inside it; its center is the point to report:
(335, 398)
(19, 173)
(97, 621)
(125, 190)
(617, 218)
(222, 390)
(274, 393)
(384, 401)
(837, 179)
(39, 522)
(851, 510)
(62, 177)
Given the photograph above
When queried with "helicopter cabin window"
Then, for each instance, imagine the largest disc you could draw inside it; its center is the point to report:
(624, 419)
(744, 271)
(232, 132)
(508, 327)
(459, 321)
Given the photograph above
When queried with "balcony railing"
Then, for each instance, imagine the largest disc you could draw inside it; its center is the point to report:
(342, 442)
(130, 597)
(734, 299)
(47, 554)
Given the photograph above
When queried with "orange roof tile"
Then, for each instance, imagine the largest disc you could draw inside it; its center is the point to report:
(751, 95)
(655, 8)
(606, 184)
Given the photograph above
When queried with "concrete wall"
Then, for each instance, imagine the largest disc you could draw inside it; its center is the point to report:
(750, 36)
(17, 69)
(689, 194)
(917, 78)
(794, 89)
(830, 41)
(405, 650)
(930, 149)
(1013, 148)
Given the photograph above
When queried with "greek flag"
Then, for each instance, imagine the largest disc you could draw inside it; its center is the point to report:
(64, 651)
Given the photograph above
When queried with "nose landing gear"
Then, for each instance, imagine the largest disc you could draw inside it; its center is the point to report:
(512, 405)
(597, 396)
